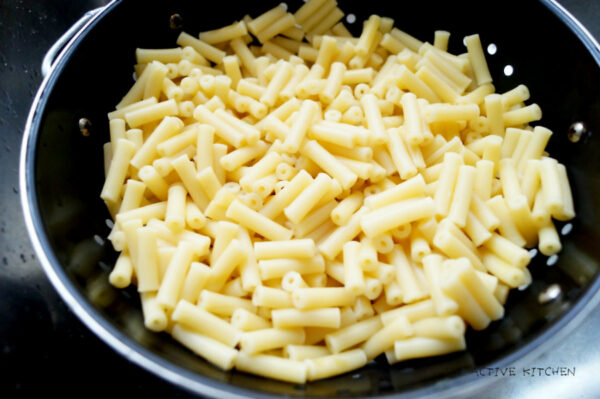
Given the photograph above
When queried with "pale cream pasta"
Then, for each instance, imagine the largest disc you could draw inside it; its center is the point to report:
(293, 202)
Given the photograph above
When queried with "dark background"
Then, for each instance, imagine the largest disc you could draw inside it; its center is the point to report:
(44, 348)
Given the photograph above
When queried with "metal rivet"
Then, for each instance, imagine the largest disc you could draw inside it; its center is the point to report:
(176, 22)
(551, 293)
(84, 126)
(576, 132)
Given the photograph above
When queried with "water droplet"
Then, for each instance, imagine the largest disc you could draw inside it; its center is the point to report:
(492, 49)
(508, 70)
(351, 18)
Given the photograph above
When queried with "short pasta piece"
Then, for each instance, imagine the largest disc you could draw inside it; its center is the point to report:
(293, 202)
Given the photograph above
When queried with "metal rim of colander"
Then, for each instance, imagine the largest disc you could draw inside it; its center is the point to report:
(134, 352)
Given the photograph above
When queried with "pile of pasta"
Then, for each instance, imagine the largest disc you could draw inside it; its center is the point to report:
(293, 201)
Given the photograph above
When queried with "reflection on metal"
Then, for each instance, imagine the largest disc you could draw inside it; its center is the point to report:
(576, 132)
(84, 126)
(99, 291)
(133, 324)
(551, 293)
(64, 215)
(512, 334)
(581, 266)
(84, 257)
(176, 22)
(445, 366)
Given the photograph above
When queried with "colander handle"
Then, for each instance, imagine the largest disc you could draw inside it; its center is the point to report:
(52, 53)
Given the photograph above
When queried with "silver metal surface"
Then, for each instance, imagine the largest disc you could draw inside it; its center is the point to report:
(84, 126)
(576, 356)
(575, 351)
(576, 132)
(61, 43)
(72, 302)
(551, 293)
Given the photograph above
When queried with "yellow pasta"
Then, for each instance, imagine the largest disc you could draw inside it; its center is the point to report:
(293, 201)
(147, 267)
(384, 339)
(187, 173)
(461, 199)
(300, 248)
(211, 349)
(310, 298)
(306, 114)
(325, 160)
(171, 287)
(275, 268)
(477, 60)
(256, 222)
(327, 366)
(292, 318)
(203, 322)
(272, 367)
(223, 305)
(117, 171)
(268, 297)
(395, 215)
